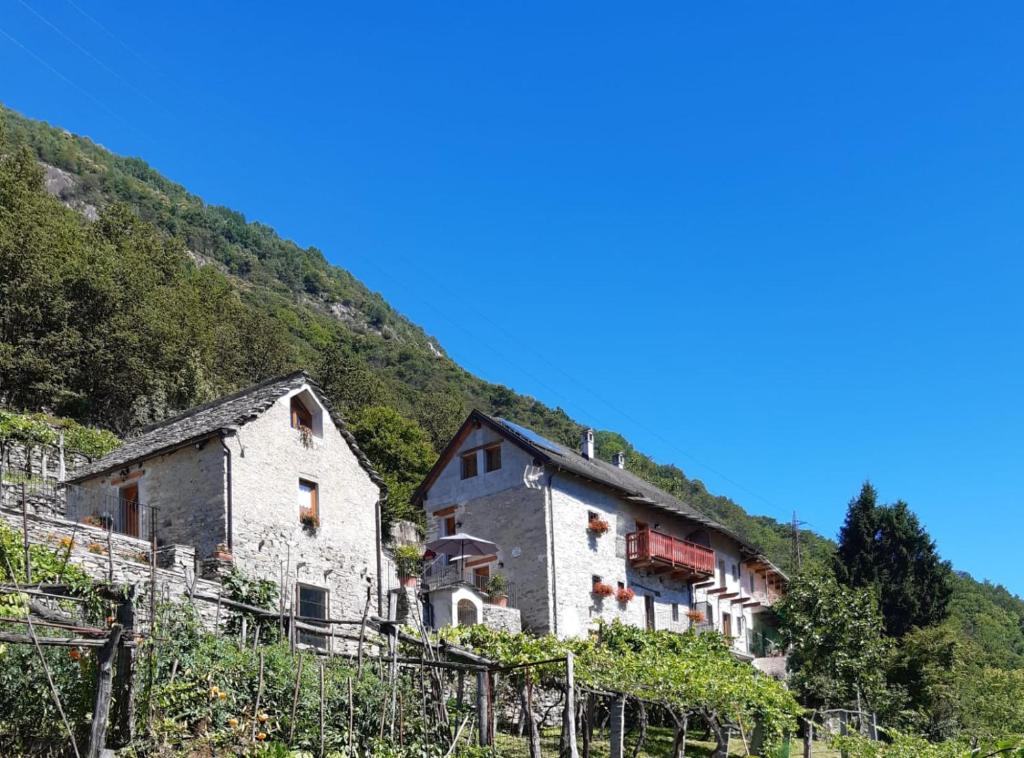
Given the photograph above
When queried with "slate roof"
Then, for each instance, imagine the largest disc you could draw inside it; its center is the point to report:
(224, 414)
(628, 485)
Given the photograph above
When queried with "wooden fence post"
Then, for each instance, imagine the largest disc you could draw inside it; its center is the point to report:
(124, 679)
(483, 723)
(104, 685)
(569, 712)
(24, 529)
(618, 727)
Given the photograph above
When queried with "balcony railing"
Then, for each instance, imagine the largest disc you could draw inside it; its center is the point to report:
(440, 574)
(648, 545)
(109, 511)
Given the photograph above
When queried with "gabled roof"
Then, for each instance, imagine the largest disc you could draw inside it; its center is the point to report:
(628, 485)
(223, 415)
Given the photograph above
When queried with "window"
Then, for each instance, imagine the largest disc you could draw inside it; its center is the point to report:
(309, 501)
(591, 516)
(301, 417)
(721, 571)
(675, 611)
(492, 458)
(621, 585)
(311, 604)
(750, 578)
(469, 465)
(449, 526)
(736, 571)
(649, 612)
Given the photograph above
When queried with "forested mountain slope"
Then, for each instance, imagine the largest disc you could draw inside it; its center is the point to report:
(163, 302)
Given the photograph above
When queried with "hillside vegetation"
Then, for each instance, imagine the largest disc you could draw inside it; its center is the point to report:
(164, 302)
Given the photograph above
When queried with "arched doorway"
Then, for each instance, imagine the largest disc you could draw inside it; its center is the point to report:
(467, 613)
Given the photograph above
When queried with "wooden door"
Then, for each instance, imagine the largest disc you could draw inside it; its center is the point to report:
(726, 625)
(649, 612)
(130, 510)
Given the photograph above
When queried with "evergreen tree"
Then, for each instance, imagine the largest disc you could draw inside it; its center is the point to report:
(884, 547)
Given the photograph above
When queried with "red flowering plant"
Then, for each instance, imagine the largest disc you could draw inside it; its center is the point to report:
(598, 525)
(624, 595)
(603, 590)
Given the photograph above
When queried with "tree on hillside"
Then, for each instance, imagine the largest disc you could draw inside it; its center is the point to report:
(400, 451)
(884, 547)
(834, 635)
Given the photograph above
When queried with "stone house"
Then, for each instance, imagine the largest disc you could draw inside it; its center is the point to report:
(267, 479)
(570, 528)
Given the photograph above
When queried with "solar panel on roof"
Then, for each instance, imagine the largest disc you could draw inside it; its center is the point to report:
(533, 437)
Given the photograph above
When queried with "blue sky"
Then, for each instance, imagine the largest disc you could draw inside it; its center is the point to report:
(776, 244)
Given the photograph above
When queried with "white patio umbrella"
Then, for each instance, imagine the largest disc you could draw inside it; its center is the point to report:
(463, 545)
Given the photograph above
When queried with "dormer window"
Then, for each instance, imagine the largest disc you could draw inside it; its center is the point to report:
(306, 416)
(301, 417)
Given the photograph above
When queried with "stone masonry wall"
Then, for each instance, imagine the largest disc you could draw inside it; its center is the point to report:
(186, 487)
(268, 459)
(581, 555)
(41, 461)
(124, 559)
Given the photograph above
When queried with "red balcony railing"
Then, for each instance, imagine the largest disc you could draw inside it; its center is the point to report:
(647, 545)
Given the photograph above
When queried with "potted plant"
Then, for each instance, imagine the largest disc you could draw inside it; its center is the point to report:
(306, 436)
(309, 519)
(624, 595)
(598, 526)
(408, 563)
(497, 589)
(602, 589)
(695, 616)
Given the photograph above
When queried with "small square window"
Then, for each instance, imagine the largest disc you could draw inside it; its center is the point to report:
(312, 607)
(492, 458)
(622, 585)
(469, 465)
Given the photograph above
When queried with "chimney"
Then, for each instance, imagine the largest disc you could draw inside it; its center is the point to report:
(587, 444)
(619, 459)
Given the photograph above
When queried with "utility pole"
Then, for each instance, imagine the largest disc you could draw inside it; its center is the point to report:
(796, 542)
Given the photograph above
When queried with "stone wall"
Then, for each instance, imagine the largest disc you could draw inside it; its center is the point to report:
(185, 486)
(515, 520)
(502, 619)
(268, 457)
(121, 559)
(40, 461)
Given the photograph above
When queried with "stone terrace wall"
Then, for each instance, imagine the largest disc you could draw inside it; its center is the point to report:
(126, 560)
(41, 461)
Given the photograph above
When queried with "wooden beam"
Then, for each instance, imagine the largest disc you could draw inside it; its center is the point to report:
(104, 689)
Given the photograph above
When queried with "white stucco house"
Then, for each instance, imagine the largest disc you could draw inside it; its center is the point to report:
(582, 539)
(267, 479)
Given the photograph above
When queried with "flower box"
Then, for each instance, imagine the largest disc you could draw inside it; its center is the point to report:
(598, 526)
(624, 595)
(697, 617)
(603, 590)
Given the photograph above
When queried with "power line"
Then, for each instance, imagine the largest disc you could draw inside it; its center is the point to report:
(108, 32)
(436, 284)
(88, 54)
(57, 73)
(673, 446)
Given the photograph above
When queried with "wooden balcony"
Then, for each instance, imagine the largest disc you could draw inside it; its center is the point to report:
(650, 549)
